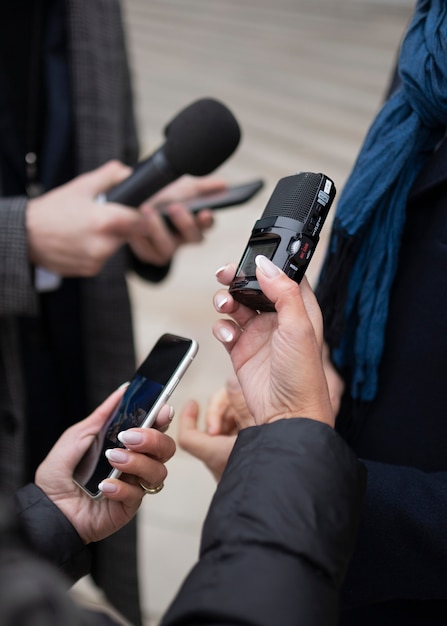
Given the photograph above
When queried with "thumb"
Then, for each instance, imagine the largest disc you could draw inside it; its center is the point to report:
(189, 437)
(84, 431)
(73, 443)
(103, 178)
(281, 290)
(104, 410)
(292, 301)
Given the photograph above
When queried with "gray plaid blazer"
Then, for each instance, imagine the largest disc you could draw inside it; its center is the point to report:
(105, 129)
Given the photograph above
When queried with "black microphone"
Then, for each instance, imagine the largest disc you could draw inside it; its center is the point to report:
(199, 139)
(287, 233)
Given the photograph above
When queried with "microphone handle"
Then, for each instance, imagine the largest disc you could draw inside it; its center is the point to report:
(148, 177)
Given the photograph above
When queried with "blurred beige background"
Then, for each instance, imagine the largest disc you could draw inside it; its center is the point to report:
(304, 78)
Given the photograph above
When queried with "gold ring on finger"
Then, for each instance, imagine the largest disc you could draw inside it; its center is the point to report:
(151, 490)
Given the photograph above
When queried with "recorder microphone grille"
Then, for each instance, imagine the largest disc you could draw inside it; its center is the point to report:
(294, 196)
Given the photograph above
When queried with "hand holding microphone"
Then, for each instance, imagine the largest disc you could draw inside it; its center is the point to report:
(70, 235)
(198, 139)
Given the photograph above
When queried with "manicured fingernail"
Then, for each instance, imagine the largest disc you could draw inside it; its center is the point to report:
(130, 437)
(220, 300)
(124, 385)
(107, 487)
(268, 268)
(225, 334)
(117, 456)
(221, 269)
(171, 413)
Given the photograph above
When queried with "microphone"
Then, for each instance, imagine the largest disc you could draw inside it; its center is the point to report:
(287, 233)
(199, 139)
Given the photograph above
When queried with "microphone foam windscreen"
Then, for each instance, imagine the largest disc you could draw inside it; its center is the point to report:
(201, 137)
(294, 196)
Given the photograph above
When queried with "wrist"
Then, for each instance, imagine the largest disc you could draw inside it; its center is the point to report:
(323, 414)
(31, 227)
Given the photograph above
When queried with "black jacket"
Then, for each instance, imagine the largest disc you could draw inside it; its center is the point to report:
(33, 590)
(51, 534)
(276, 541)
(279, 533)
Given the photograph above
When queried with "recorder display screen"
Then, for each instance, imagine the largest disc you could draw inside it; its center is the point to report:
(265, 247)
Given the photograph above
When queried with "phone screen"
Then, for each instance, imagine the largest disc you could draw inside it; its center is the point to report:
(149, 389)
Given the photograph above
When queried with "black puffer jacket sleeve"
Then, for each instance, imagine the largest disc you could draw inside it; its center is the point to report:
(279, 533)
(50, 533)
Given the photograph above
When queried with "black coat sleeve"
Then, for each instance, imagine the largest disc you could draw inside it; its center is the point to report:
(50, 533)
(279, 533)
(32, 591)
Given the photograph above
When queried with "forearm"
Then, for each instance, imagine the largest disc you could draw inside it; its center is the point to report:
(17, 293)
(279, 532)
(402, 543)
(50, 533)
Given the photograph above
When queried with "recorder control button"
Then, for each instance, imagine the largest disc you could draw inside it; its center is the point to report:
(305, 251)
(310, 225)
(295, 246)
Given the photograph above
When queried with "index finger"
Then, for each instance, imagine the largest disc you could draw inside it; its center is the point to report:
(148, 441)
(189, 436)
(226, 273)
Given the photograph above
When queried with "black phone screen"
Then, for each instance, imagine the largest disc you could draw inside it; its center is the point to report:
(144, 390)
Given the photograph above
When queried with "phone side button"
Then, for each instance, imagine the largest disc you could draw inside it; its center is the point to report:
(174, 384)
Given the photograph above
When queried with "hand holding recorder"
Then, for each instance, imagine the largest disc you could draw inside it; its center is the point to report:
(277, 358)
(281, 245)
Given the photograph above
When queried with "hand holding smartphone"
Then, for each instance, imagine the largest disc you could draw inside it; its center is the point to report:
(150, 388)
(230, 197)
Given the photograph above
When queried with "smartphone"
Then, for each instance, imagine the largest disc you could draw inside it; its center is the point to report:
(149, 389)
(232, 196)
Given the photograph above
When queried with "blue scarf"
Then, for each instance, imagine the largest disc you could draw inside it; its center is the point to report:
(357, 276)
